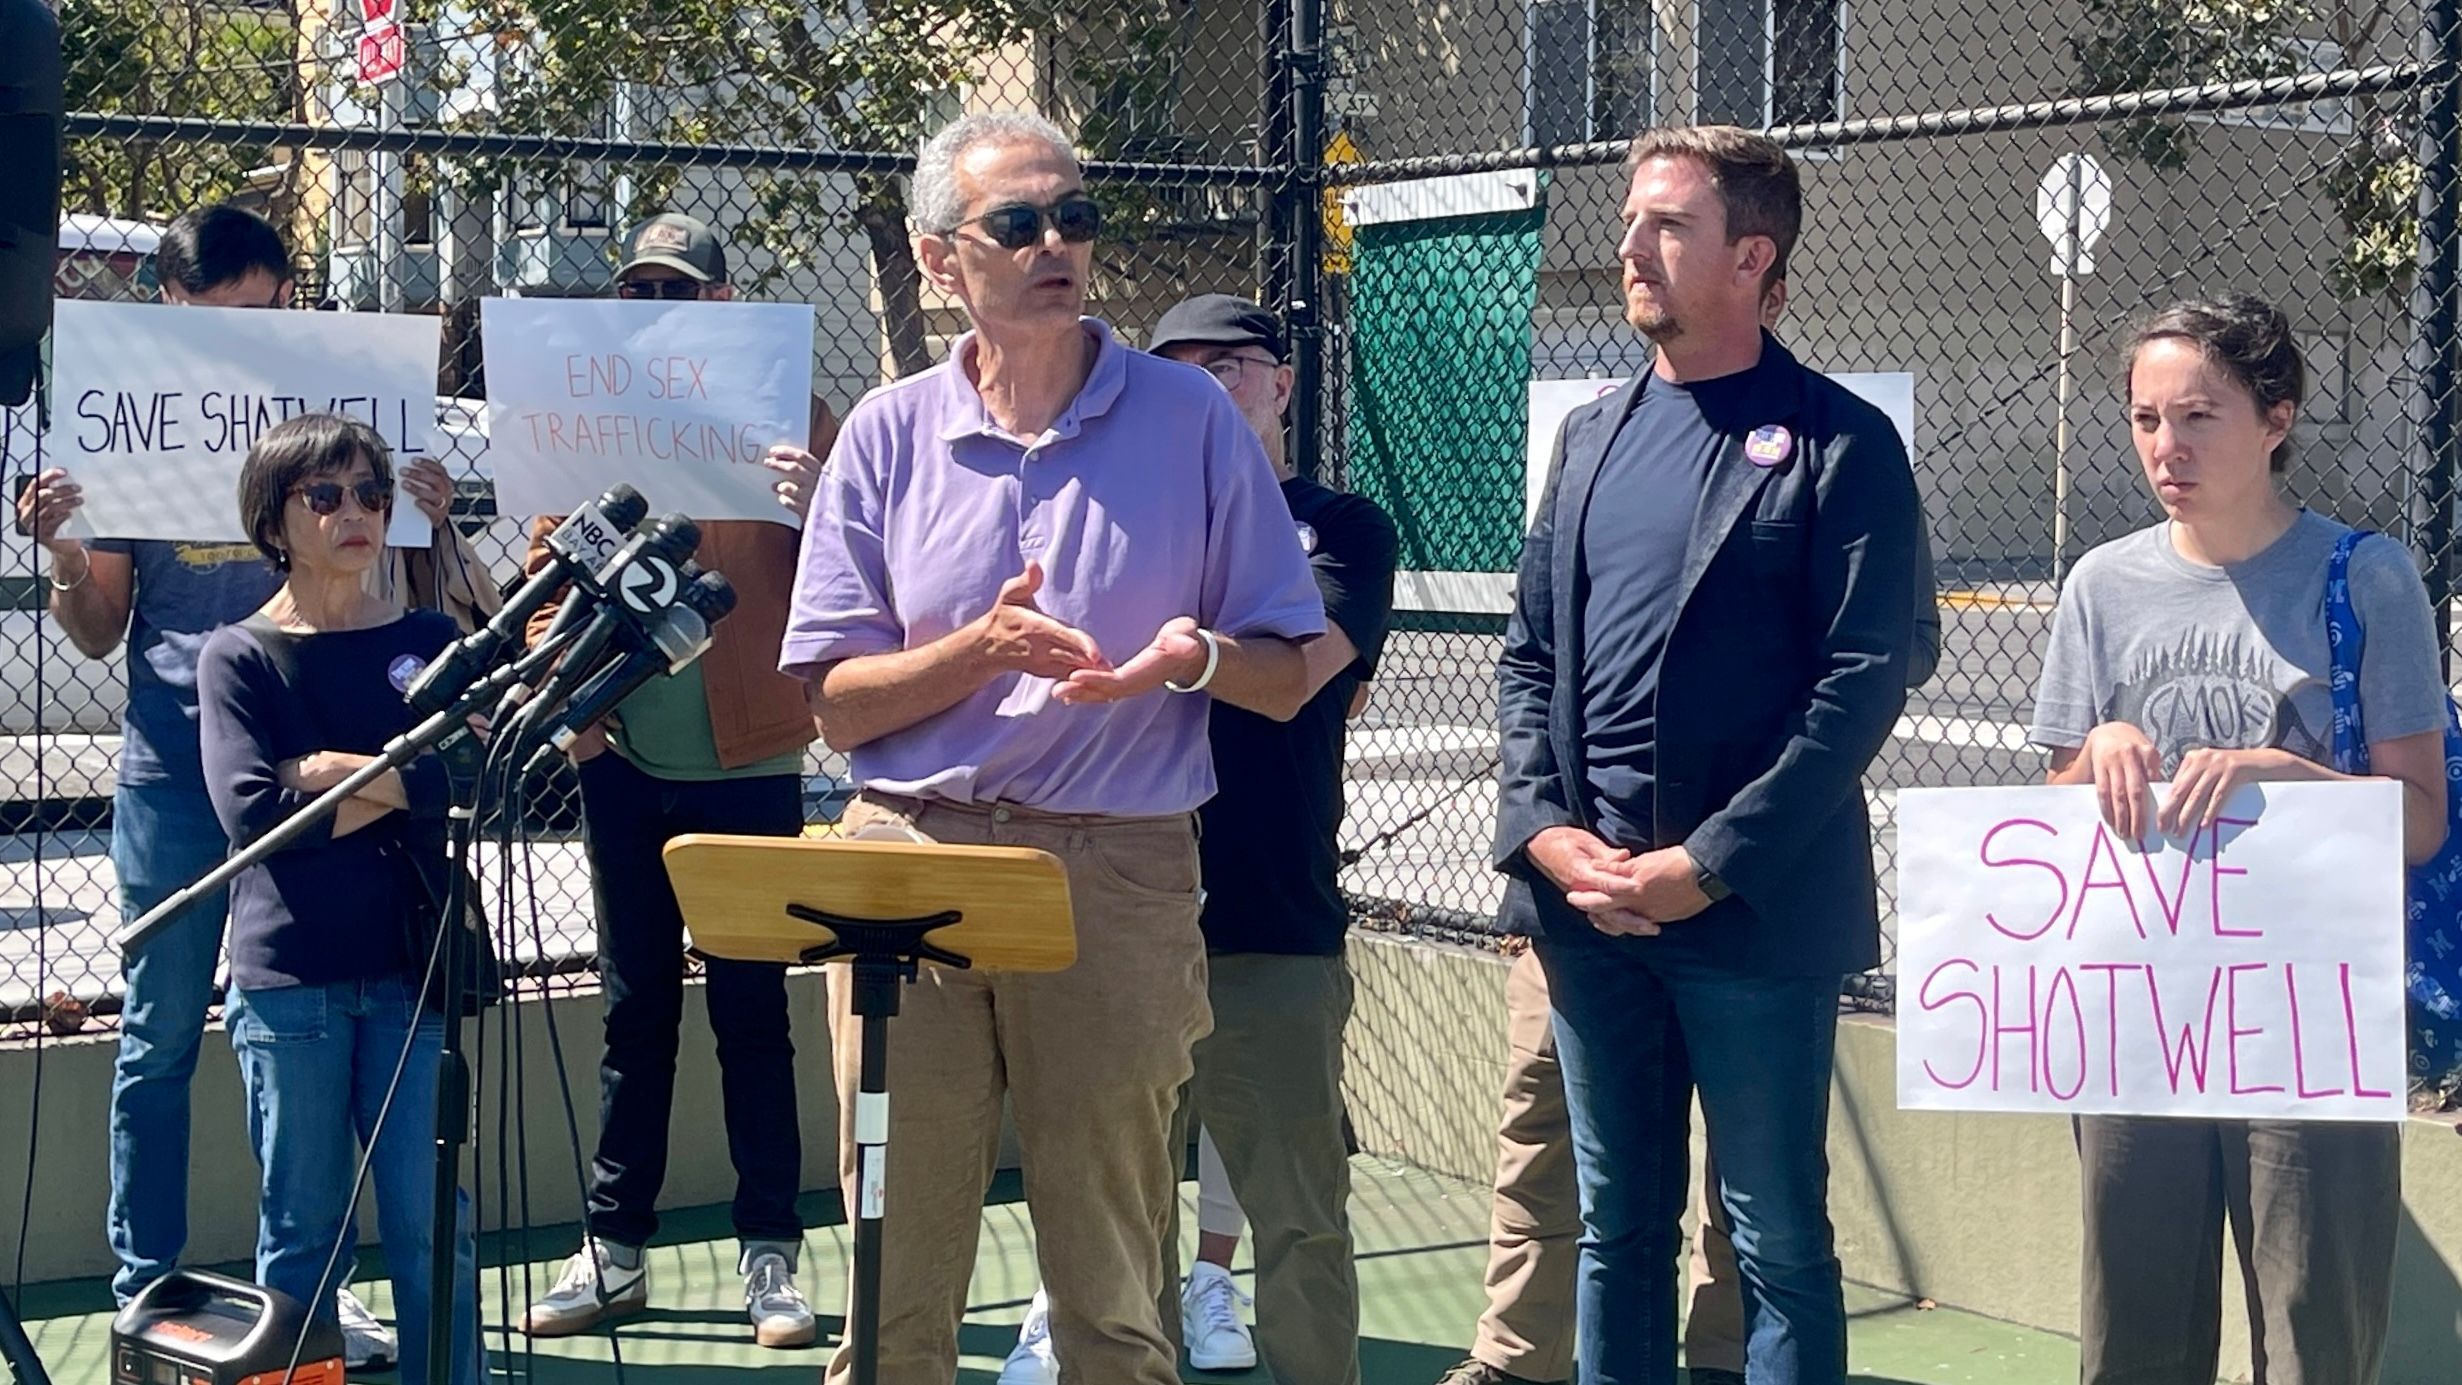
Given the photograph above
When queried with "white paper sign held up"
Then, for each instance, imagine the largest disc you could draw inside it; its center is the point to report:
(2253, 971)
(157, 406)
(679, 399)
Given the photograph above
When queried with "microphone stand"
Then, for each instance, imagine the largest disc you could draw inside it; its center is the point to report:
(463, 760)
(16, 1350)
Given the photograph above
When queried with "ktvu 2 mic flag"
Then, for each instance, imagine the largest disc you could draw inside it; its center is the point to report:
(680, 399)
(155, 407)
(2251, 970)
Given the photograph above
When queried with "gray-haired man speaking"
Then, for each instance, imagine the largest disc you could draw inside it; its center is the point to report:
(991, 535)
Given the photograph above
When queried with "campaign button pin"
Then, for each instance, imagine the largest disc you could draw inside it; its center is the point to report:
(404, 671)
(1769, 445)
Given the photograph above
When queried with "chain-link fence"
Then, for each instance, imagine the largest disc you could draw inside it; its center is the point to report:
(1432, 193)
(1992, 194)
(420, 159)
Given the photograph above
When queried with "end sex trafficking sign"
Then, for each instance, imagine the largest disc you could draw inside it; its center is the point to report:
(2251, 970)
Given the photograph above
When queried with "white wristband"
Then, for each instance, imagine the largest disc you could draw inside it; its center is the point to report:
(1213, 660)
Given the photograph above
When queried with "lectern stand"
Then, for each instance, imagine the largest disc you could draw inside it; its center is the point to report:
(883, 907)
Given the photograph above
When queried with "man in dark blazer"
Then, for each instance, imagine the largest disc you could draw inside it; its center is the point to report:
(1709, 644)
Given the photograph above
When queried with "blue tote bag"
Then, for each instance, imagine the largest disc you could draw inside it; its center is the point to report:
(2433, 973)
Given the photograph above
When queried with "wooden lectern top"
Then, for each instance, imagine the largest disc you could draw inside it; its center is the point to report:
(734, 892)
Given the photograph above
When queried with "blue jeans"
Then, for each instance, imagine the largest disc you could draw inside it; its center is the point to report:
(318, 1061)
(1638, 1027)
(163, 837)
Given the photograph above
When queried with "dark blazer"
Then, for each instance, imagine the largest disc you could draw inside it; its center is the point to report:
(1784, 674)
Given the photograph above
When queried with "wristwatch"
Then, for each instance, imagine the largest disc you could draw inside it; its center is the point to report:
(1709, 883)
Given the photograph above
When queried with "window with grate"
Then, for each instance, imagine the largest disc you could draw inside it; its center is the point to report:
(1588, 73)
(1770, 62)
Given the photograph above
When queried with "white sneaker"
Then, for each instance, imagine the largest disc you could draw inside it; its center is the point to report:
(1032, 1363)
(593, 1289)
(780, 1316)
(366, 1343)
(1210, 1321)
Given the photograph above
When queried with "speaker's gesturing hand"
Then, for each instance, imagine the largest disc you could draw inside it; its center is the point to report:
(1176, 655)
(1015, 636)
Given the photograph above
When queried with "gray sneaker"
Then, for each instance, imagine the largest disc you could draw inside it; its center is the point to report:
(367, 1345)
(593, 1289)
(1031, 1362)
(780, 1316)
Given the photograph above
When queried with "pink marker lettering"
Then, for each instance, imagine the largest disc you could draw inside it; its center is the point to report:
(2350, 1029)
(2034, 1041)
(2111, 1013)
(1983, 1017)
(2192, 1052)
(2169, 904)
(2102, 850)
(2077, 1019)
(2231, 1023)
(2217, 870)
(2299, 1050)
(1985, 853)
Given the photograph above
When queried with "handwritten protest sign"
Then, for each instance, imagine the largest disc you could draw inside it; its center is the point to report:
(157, 406)
(2254, 971)
(678, 399)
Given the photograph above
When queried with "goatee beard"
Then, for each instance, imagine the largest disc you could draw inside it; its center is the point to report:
(1658, 327)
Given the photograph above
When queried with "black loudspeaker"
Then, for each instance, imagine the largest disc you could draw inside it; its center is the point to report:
(31, 105)
(194, 1328)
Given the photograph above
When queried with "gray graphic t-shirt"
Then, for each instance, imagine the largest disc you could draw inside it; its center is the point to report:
(181, 594)
(2235, 657)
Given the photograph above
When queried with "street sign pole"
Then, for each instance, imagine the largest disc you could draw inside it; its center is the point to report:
(2068, 348)
(383, 50)
(385, 167)
(2072, 208)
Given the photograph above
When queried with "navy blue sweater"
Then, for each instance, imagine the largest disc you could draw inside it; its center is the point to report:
(324, 909)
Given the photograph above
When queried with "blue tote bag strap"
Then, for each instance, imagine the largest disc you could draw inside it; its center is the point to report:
(2434, 930)
(2347, 640)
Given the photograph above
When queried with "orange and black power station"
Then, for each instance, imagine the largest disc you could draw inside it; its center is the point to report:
(194, 1328)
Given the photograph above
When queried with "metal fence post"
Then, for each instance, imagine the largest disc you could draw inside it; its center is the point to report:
(1303, 184)
(2436, 304)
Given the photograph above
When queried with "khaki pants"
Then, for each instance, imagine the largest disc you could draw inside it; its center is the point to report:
(1269, 1091)
(1534, 1228)
(2313, 1207)
(1091, 1059)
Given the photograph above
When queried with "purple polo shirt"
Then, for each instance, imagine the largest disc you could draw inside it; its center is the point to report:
(1148, 499)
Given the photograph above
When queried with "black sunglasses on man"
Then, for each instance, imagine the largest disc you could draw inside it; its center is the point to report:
(670, 290)
(1077, 218)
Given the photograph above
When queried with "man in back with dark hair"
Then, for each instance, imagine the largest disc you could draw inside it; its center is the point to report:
(223, 257)
(1690, 846)
(164, 597)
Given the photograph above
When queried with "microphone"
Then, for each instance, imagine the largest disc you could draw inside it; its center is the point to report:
(588, 538)
(679, 636)
(644, 578)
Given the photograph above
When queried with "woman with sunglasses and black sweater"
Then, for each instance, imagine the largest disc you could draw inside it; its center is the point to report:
(337, 1045)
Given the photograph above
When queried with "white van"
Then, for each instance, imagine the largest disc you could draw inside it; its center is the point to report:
(46, 685)
(99, 257)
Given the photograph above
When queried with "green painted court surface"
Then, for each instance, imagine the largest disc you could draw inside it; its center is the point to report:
(1422, 1252)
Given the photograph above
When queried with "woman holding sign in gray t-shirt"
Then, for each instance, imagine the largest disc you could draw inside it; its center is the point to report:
(2195, 652)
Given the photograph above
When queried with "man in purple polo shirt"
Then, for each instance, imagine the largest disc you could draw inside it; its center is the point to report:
(1030, 569)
